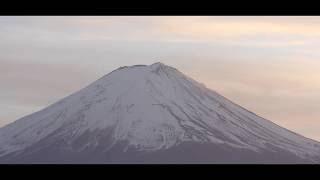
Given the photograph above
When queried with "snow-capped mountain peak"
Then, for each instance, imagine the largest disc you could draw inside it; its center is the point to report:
(147, 109)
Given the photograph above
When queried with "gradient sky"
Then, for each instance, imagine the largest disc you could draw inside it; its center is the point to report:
(269, 65)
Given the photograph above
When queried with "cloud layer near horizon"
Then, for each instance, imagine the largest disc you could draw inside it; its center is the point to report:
(269, 65)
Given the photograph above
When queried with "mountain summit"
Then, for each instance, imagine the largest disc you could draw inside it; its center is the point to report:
(150, 114)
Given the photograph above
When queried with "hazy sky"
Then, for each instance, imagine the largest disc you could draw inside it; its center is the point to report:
(269, 65)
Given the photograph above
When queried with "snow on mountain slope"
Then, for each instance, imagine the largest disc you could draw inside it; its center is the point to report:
(150, 108)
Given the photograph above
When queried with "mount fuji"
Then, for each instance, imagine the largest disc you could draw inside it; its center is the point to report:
(150, 114)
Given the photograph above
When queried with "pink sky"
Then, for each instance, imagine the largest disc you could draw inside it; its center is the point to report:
(269, 65)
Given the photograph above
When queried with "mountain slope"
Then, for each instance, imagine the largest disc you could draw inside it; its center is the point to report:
(150, 114)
